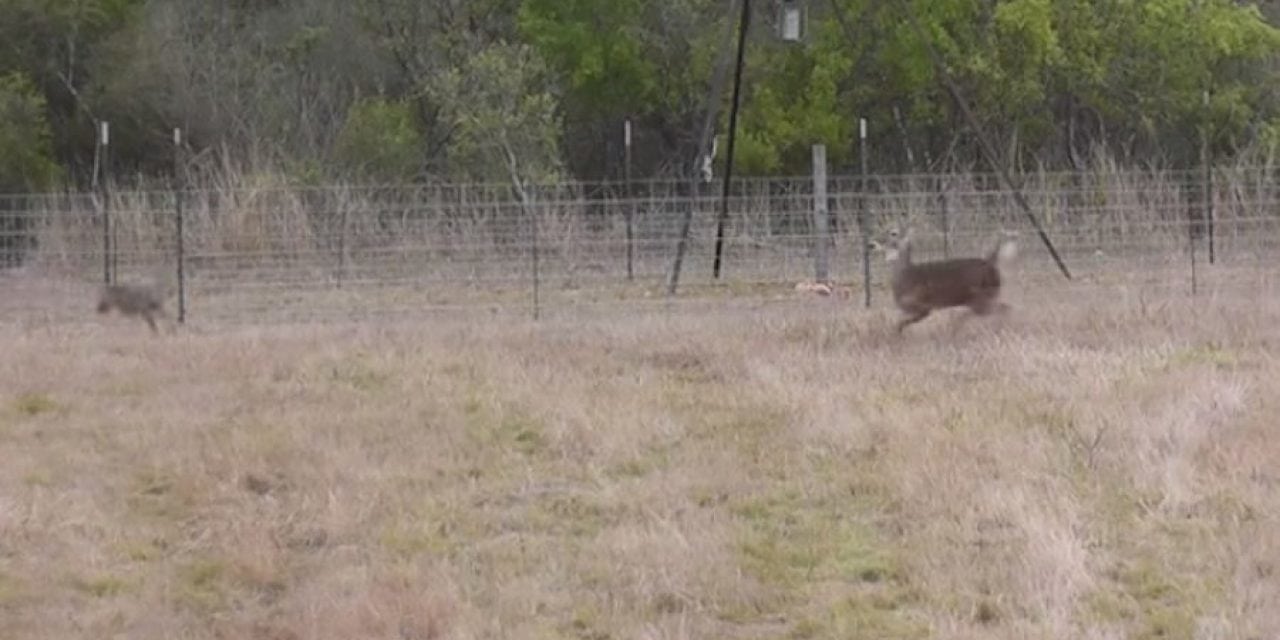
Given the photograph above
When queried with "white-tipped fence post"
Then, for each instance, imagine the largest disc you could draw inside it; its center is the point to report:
(104, 140)
(864, 214)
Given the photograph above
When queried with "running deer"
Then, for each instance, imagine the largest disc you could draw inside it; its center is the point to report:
(131, 300)
(922, 288)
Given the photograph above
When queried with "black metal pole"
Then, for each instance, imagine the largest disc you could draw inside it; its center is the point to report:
(177, 208)
(708, 122)
(743, 25)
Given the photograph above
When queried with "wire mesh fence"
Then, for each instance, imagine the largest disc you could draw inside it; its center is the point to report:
(345, 251)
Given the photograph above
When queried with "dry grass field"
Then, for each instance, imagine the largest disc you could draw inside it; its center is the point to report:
(1092, 468)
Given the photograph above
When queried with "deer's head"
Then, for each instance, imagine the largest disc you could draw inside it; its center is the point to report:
(895, 246)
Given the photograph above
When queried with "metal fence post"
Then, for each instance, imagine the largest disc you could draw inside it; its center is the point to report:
(864, 213)
(628, 210)
(105, 194)
(821, 236)
(1206, 163)
(178, 187)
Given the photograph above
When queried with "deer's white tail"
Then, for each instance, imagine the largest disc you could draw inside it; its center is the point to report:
(1006, 252)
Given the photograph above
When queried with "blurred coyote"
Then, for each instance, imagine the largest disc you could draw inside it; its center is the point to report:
(132, 300)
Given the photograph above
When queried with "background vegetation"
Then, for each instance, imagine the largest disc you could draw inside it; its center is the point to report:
(416, 90)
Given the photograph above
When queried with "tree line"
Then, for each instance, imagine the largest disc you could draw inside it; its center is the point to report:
(403, 91)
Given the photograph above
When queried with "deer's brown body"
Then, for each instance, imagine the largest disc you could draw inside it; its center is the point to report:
(922, 288)
(131, 300)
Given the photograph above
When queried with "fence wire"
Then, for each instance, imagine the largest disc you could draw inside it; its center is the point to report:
(351, 252)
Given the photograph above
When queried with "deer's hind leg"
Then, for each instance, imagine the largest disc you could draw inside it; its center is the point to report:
(986, 306)
(912, 316)
(151, 321)
(985, 303)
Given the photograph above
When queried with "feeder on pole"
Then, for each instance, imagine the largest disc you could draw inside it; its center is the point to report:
(791, 21)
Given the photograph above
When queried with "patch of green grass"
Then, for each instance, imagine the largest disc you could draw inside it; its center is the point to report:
(101, 586)
(11, 589)
(714, 415)
(126, 388)
(790, 540)
(829, 570)
(572, 514)
(433, 528)
(1209, 353)
(586, 624)
(202, 585)
(881, 615)
(472, 406)
(412, 539)
(508, 427)
(157, 494)
(523, 434)
(685, 366)
(359, 375)
(637, 467)
(34, 404)
(143, 550)
(38, 478)
(652, 458)
(708, 497)
(1152, 602)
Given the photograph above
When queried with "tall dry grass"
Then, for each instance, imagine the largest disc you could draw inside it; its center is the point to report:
(1097, 468)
